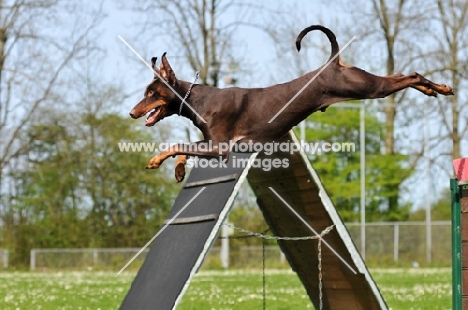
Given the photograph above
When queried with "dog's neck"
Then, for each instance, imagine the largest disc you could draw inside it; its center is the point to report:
(194, 102)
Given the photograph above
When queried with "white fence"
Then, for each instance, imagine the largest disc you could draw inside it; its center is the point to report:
(4, 258)
(405, 242)
(387, 244)
(89, 258)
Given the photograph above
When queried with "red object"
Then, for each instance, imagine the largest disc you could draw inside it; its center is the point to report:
(461, 168)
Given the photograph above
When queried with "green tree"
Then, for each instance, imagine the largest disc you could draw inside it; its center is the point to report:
(56, 38)
(127, 202)
(82, 191)
(45, 209)
(340, 171)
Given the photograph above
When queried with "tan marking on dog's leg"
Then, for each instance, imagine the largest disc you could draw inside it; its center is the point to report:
(157, 160)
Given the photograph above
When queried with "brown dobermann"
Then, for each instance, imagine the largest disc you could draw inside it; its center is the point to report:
(251, 115)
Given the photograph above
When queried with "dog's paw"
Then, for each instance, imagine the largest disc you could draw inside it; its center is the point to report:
(180, 172)
(154, 163)
(445, 90)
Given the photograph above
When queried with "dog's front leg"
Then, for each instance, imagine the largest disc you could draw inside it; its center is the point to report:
(180, 168)
(200, 148)
(157, 160)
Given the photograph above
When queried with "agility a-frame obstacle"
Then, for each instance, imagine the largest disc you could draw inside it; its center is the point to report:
(178, 252)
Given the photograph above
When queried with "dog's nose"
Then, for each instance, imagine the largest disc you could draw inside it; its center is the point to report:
(132, 114)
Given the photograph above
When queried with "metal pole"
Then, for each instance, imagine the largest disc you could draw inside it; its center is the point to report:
(33, 259)
(362, 133)
(224, 253)
(428, 190)
(456, 246)
(302, 127)
(396, 244)
(95, 257)
(5, 258)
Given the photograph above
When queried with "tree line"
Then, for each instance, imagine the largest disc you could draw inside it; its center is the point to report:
(64, 183)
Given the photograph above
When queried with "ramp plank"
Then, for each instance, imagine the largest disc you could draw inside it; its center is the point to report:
(173, 257)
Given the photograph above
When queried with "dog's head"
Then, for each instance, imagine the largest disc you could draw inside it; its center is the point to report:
(159, 99)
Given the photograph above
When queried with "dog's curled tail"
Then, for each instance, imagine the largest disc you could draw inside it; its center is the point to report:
(331, 36)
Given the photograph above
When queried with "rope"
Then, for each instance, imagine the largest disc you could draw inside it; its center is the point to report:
(250, 234)
(320, 273)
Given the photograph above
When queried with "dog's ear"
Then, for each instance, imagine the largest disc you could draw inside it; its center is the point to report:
(166, 71)
(153, 65)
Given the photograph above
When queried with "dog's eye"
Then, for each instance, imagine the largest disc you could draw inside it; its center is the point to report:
(150, 93)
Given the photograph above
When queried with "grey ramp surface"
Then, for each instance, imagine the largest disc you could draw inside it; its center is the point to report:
(179, 250)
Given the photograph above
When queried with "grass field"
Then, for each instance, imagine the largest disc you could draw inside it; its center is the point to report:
(423, 288)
